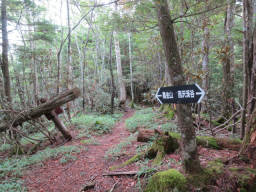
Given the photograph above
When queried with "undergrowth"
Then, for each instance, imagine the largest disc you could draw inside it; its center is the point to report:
(119, 148)
(95, 123)
(149, 119)
(11, 168)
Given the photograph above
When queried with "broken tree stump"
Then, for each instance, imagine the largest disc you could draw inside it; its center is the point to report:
(164, 144)
(53, 116)
(146, 135)
(42, 109)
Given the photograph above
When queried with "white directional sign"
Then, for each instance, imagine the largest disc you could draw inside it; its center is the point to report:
(180, 94)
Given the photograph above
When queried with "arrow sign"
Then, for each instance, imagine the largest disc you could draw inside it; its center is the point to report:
(180, 94)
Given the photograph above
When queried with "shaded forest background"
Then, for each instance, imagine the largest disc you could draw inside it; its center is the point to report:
(117, 54)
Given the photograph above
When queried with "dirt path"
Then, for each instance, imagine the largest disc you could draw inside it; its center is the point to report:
(89, 167)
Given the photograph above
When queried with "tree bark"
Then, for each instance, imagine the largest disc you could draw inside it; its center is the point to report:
(69, 67)
(60, 126)
(228, 60)
(5, 64)
(191, 162)
(111, 74)
(122, 90)
(247, 24)
(205, 62)
(130, 58)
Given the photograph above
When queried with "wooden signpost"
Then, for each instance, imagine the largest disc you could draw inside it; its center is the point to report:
(49, 108)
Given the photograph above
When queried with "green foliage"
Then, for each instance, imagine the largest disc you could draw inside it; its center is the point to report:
(67, 158)
(119, 148)
(142, 118)
(149, 119)
(5, 147)
(90, 141)
(167, 181)
(215, 167)
(169, 126)
(12, 185)
(15, 165)
(95, 123)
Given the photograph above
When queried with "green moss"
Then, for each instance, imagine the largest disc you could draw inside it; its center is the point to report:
(159, 156)
(210, 142)
(215, 167)
(245, 177)
(166, 181)
(128, 162)
(200, 180)
(175, 135)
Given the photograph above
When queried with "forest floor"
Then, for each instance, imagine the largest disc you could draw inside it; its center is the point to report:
(92, 162)
(89, 167)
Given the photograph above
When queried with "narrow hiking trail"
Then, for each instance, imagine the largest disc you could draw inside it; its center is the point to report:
(52, 176)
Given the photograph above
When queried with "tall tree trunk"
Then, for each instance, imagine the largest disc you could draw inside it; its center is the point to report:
(69, 67)
(122, 90)
(59, 54)
(81, 63)
(35, 74)
(228, 60)
(5, 64)
(130, 58)
(247, 25)
(112, 75)
(205, 61)
(250, 127)
(1, 84)
(190, 159)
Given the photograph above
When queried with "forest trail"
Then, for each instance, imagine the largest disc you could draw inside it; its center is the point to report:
(89, 166)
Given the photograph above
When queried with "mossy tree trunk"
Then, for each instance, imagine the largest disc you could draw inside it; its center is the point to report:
(189, 148)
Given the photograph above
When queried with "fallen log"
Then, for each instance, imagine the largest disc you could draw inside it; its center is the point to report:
(205, 141)
(42, 109)
(119, 173)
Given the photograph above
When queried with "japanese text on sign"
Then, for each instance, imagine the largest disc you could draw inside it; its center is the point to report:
(186, 94)
(168, 95)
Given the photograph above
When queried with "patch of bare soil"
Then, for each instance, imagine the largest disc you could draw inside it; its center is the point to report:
(88, 168)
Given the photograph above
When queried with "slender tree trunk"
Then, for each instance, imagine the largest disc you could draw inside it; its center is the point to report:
(1, 85)
(122, 90)
(81, 61)
(20, 90)
(228, 60)
(190, 159)
(59, 55)
(112, 75)
(5, 64)
(69, 67)
(247, 20)
(130, 57)
(35, 74)
(205, 62)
